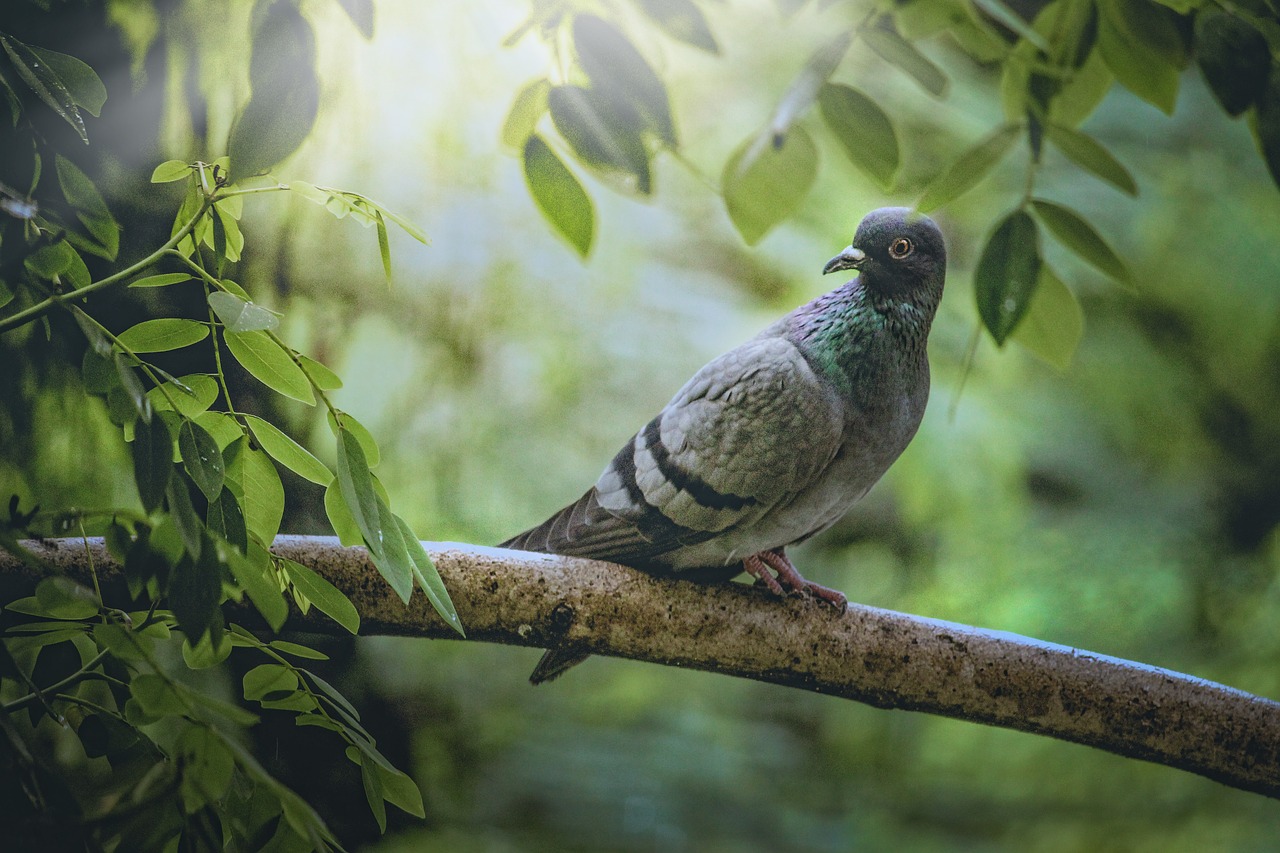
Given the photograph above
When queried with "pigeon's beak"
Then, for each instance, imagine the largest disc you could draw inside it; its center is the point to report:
(849, 259)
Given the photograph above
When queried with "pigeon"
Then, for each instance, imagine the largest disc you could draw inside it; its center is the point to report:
(775, 440)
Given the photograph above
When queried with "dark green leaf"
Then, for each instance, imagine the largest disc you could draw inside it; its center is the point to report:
(80, 81)
(237, 315)
(1007, 272)
(356, 484)
(44, 81)
(184, 516)
(763, 183)
(226, 519)
(1011, 19)
(202, 458)
(1054, 323)
(324, 595)
(1079, 236)
(58, 260)
(152, 461)
(207, 768)
(163, 335)
(361, 14)
(286, 91)
(863, 129)
(170, 170)
(1267, 126)
(288, 648)
(613, 64)
(683, 20)
(190, 395)
(424, 570)
(1141, 45)
(261, 491)
(161, 280)
(969, 168)
(63, 598)
(154, 695)
(205, 653)
(528, 107)
(270, 364)
(255, 575)
(1088, 154)
(195, 589)
(559, 196)
(894, 49)
(288, 452)
(91, 210)
(1234, 58)
(394, 564)
(601, 135)
(373, 793)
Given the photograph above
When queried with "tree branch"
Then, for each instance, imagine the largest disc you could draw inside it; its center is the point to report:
(882, 658)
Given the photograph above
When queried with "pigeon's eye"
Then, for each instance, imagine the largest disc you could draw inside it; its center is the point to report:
(900, 248)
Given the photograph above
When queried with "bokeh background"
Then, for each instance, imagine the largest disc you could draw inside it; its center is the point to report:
(1128, 505)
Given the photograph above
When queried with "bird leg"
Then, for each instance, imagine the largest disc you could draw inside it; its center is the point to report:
(788, 579)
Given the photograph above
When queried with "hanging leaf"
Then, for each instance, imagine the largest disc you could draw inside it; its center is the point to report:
(1008, 269)
(803, 91)
(169, 171)
(255, 481)
(340, 517)
(1013, 21)
(1054, 322)
(288, 452)
(613, 64)
(239, 315)
(226, 519)
(395, 564)
(270, 364)
(163, 335)
(255, 576)
(356, 485)
(45, 82)
(562, 200)
(324, 595)
(202, 458)
(1142, 46)
(184, 517)
(91, 210)
(602, 134)
(161, 280)
(286, 91)
(897, 51)
(324, 378)
(424, 570)
(1088, 154)
(1234, 58)
(863, 129)
(1071, 229)
(969, 168)
(190, 395)
(683, 20)
(526, 110)
(152, 461)
(764, 184)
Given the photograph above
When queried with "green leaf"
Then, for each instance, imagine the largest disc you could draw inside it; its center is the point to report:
(183, 515)
(356, 483)
(195, 590)
(63, 598)
(528, 107)
(340, 517)
(91, 210)
(424, 571)
(863, 129)
(288, 452)
(1007, 272)
(207, 768)
(373, 793)
(324, 595)
(614, 65)
(1082, 92)
(399, 790)
(154, 696)
(1267, 126)
(286, 91)
(562, 200)
(368, 444)
(803, 91)
(897, 51)
(80, 81)
(261, 491)
(1088, 154)
(45, 82)
(202, 458)
(394, 564)
(601, 135)
(163, 335)
(270, 364)
(191, 394)
(1141, 45)
(170, 171)
(162, 280)
(288, 648)
(1011, 19)
(1234, 58)
(237, 315)
(969, 168)
(384, 245)
(764, 183)
(324, 378)
(152, 461)
(226, 519)
(1080, 237)
(683, 20)
(221, 426)
(269, 681)
(1054, 322)
(205, 653)
(58, 260)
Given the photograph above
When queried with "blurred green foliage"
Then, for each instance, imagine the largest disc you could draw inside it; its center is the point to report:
(1127, 504)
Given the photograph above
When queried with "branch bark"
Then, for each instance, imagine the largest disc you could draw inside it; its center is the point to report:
(882, 658)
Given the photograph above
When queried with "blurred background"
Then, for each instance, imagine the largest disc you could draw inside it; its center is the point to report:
(1127, 505)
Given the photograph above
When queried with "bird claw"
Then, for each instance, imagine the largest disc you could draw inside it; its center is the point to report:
(788, 579)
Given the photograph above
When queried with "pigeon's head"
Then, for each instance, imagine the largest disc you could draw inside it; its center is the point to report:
(896, 251)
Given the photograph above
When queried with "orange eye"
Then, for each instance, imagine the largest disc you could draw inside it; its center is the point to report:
(900, 248)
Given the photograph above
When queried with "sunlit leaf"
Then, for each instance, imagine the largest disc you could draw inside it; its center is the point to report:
(529, 106)
(340, 517)
(1008, 269)
(1011, 19)
(394, 564)
(58, 260)
(558, 194)
(1088, 154)
(163, 335)
(241, 316)
(152, 461)
(612, 63)
(683, 20)
(356, 483)
(1071, 229)
(45, 82)
(221, 426)
(424, 571)
(270, 364)
(863, 129)
(202, 458)
(896, 50)
(191, 394)
(161, 280)
(1140, 43)
(288, 452)
(269, 680)
(969, 168)
(63, 598)
(1054, 322)
(288, 648)
(169, 171)
(763, 184)
(258, 485)
(324, 378)
(324, 595)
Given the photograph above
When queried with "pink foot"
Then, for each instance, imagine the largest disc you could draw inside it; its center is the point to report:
(788, 579)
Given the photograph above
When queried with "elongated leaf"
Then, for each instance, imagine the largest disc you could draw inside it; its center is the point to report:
(803, 91)
(91, 210)
(163, 335)
(562, 200)
(161, 280)
(356, 484)
(529, 106)
(226, 519)
(45, 82)
(1011, 19)
(191, 395)
(324, 595)
(324, 378)
(202, 458)
(221, 426)
(601, 134)
(612, 63)
(195, 590)
(169, 171)
(1088, 154)
(190, 528)
(286, 91)
(424, 571)
(763, 184)
(241, 316)
(395, 564)
(683, 20)
(152, 461)
(268, 362)
(897, 51)
(1007, 272)
(1234, 58)
(373, 793)
(1140, 43)
(863, 129)
(1054, 322)
(288, 452)
(340, 517)
(1267, 126)
(969, 168)
(260, 488)
(81, 81)
(1079, 236)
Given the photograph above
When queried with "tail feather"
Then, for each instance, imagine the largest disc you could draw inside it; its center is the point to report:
(555, 662)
